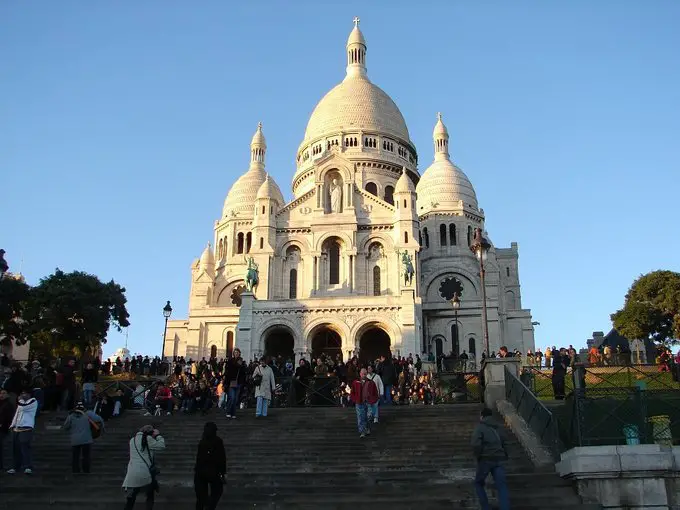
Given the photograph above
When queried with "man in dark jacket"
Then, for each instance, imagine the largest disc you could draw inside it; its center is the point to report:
(388, 374)
(6, 415)
(236, 377)
(211, 466)
(489, 450)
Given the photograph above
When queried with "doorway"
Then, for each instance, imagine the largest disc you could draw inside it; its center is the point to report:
(279, 342)
(326, 341)
(374, 342)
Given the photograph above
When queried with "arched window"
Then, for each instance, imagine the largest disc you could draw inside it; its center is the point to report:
(420, 238)
(469, 235)
(230, 343)
(376, 280)
(389, 195)
(404, 203)
(261, 242)
(472, 346)
(239, 241)
(213, 352)
(219, 250)
(452, 235)
(292, 288)
(427, 238)
(264, 209)
(442, 235)
(455, 346)
(226, 253)
(334, 263)
(406, 237)
(249, 241)
(507, 271)
(372, 188)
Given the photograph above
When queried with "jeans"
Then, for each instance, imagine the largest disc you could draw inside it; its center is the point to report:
(373, 411)
(188, 405)
(387, 398)
(88, 398)
(362, 418)
(232, 403)
(484, 467)
(262, 405)
(3, 437)
(208, 493)
(75, 461)
(132, 497)
(22, 449)
(222, 401)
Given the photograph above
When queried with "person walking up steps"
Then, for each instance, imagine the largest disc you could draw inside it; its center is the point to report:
(141, 470)
(22, 427)
(81, 423)
(374, 409)
(489, 450)
(211, 466)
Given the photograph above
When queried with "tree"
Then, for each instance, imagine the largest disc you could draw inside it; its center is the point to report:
(76, 310)
(652, 308)
(15, 301)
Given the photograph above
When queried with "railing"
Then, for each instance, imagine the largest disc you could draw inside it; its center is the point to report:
(291, 392)
(534, 412)
(455, 387)
(609, 409)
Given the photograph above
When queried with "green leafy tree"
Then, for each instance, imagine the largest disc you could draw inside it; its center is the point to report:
(652, 308)
(75, 311)
(15, 302)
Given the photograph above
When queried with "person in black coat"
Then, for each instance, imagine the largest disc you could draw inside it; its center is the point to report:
(236, 377)
(210, 469)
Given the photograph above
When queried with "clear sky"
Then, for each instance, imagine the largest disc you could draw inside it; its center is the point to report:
(123, 125)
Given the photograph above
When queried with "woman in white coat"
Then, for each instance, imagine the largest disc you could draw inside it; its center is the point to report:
(143, 448)
(263, 391)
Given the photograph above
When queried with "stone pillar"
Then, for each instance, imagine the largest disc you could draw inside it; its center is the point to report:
(244, 329)
(494, 378)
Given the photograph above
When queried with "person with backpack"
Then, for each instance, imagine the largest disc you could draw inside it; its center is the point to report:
(84, 426)
(489, 449)
(210, 469)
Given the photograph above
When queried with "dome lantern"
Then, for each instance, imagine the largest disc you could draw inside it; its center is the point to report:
(441, 140)
(258, 147)
(356, 51)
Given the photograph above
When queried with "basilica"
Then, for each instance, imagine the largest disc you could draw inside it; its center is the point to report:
(364, 260)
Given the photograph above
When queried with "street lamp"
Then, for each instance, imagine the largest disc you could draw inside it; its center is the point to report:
(167, 312)
(480, 247)
(455, 302)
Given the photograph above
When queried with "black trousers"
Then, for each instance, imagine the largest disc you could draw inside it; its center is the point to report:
(75, 463)
(558, 385)
(208, 493)
(132, 497)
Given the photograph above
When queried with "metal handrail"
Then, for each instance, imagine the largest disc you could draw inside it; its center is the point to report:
(535, 413)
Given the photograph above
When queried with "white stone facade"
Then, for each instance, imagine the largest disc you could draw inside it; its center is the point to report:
(331, 262)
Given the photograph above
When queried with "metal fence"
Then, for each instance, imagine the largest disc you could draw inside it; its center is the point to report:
(543, 423)
(611, 409)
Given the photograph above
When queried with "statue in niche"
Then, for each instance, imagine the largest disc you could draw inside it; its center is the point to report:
(336, 195)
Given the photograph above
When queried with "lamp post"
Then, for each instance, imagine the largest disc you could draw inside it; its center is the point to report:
(480, 247)
(455, 302)
(167, 312)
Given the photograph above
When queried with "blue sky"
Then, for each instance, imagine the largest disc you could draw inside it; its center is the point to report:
(123, 125)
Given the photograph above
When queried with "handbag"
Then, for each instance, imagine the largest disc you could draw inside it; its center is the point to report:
(95, 428)
(257, 378)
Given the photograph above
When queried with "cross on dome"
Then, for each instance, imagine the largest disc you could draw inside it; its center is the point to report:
(356, 21)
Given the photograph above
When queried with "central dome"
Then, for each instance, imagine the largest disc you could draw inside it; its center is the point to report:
(356, 103)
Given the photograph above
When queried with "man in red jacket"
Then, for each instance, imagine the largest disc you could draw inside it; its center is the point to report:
(364, 392)
(164, 398)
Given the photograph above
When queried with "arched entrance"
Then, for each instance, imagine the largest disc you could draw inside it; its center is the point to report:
(326, 341)
(373, 343)
(279, 341)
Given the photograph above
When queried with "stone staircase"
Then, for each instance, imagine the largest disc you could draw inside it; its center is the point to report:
(308, 459)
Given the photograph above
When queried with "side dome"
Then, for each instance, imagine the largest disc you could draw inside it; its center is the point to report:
(404, 184)
(242, 195)
(269, 189)
(443, 185)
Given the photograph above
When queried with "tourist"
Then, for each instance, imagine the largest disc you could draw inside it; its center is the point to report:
(22, 426)
(6, 416)
(301, 381)
(68, 385)
(265, 388)
(321, 369)
(204, 397)
(164, 398)
(489, 450)
(236, 373)
(374, 409)
(81, 424)
(89, 380)
(141, 470)
(559, 373)
(388, 375)
(211, 466)
(364, 393)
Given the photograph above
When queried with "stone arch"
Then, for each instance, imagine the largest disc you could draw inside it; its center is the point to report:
(384, 239)
(450, 337)
(224, 295)
(346, 240)
(279, 338)
(335, 165)
(389, 325)
(373, 338)
(294, 240)
(332, 323)
(437, 344)
(510, 300)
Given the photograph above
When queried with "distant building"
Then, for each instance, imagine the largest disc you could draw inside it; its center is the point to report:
(644, 349)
